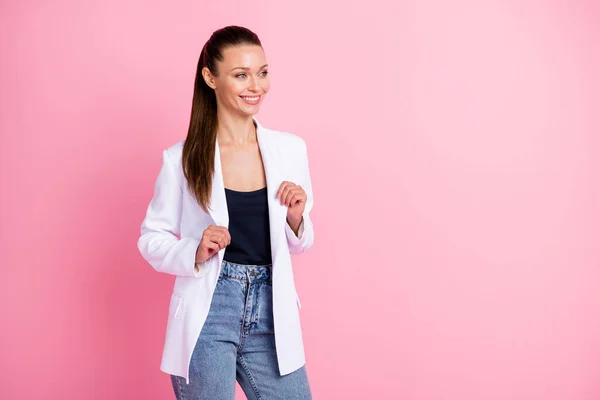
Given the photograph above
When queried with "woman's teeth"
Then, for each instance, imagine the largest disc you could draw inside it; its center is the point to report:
(251, 100)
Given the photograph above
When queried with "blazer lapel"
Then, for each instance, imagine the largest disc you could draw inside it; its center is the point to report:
(218, 202)
(277, 212)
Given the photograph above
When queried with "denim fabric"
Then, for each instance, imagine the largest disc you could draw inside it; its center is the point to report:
(237, 343)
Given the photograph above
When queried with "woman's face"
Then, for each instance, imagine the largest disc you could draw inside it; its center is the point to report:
(243, 79)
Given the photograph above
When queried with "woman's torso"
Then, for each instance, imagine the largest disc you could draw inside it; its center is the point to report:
(247, 204)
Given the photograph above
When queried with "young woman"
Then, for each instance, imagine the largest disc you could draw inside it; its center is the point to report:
(231, 203)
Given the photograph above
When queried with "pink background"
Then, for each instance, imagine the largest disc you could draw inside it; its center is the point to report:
(455, 159)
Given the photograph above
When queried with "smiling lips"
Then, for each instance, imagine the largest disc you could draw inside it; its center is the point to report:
(251, 99)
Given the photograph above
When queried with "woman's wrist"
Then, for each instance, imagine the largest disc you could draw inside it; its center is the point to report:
(199, 260)
(294, 223)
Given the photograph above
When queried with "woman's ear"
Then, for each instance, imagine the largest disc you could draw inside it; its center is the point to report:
(208, 78)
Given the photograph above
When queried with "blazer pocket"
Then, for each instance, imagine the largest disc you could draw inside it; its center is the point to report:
(176, 306)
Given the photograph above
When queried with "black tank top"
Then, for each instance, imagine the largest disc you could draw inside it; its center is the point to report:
(248, 227)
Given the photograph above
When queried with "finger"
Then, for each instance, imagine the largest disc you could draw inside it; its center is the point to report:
(208, 244)
(285, 194)
(226, 238)
(221, 236)
(286, 198)
(282, 188)
(212, 238)
(279, 190)
(295, 199)
(290, 196)
(301, 195)
(217, 237)
(222, 239)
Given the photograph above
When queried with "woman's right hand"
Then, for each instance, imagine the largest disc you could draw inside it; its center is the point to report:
(214, 238)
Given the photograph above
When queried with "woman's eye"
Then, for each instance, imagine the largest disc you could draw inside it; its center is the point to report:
(265, 73)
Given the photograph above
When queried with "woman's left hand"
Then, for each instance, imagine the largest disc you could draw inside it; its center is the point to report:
(294, 197)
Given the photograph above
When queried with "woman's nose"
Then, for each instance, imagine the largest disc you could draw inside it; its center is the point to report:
(253, 84)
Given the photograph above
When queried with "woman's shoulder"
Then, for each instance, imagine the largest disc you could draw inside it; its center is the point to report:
(174, 151)
(286, 139)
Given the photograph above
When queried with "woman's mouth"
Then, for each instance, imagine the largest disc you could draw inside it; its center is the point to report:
(251, 99)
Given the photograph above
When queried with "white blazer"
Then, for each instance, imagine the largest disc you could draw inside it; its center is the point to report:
(172, 229)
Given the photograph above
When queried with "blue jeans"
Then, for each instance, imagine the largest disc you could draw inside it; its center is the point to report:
(237, 343)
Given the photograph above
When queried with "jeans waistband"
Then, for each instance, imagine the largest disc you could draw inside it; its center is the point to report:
(246, 272)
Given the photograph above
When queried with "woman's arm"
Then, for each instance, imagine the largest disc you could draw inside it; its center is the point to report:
(160, 243)
(305, 238)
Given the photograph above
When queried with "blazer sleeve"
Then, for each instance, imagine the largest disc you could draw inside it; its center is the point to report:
(304, 240)
(160, 243)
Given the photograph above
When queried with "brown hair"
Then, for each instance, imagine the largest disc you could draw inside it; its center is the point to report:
(198, 157)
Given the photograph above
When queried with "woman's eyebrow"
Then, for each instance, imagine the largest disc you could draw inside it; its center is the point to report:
(248, 68)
